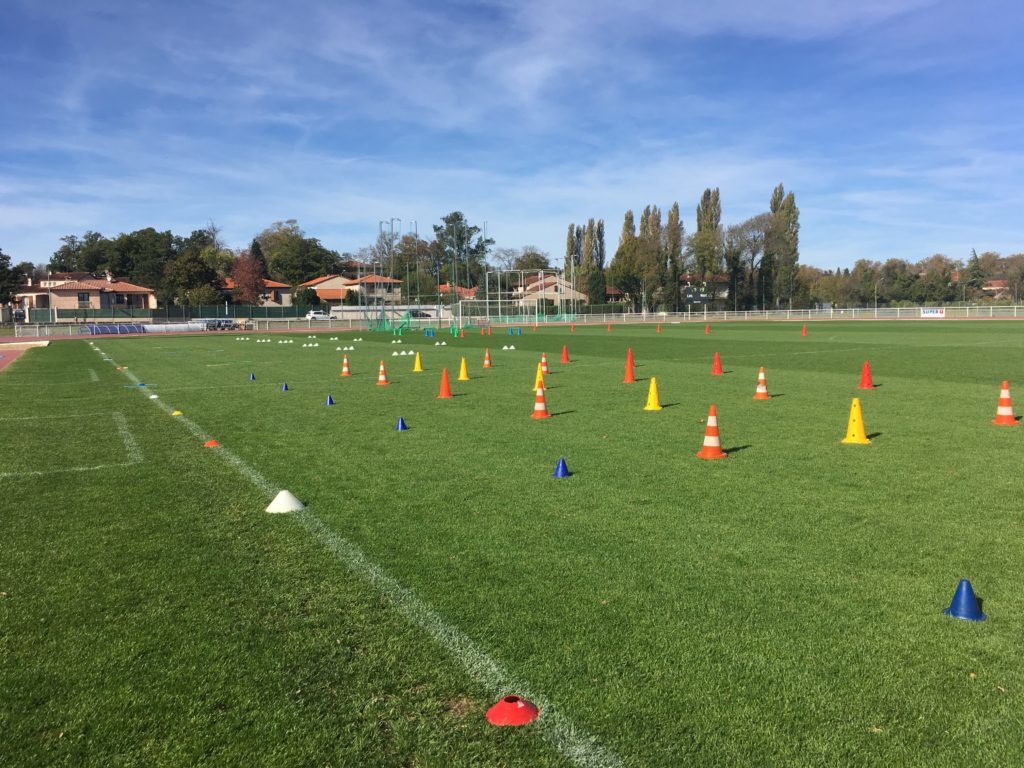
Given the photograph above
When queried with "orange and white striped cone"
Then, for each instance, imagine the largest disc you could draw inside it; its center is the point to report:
(544, 363)
(1004, 411)
(540, 406)
(487, 358)
(382, 376)
(712, 440)
(345, 372)
(762, 387)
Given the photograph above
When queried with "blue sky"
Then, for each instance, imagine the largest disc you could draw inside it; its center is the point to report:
(898, 124)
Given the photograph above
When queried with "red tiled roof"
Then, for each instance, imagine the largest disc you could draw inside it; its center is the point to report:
(317, 281)
(996, 284)
(326, 294)
(466, 293)
(229, 284)
(93, 284)
(375, 279)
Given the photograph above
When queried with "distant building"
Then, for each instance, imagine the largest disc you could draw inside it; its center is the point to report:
(550, 288)
(463, 293)
(375, 289)
(274, 294)
(83, 290)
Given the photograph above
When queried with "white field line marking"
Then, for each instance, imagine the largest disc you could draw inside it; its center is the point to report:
(130, 444)
(572, 742)
(131, 447)
(93, 376)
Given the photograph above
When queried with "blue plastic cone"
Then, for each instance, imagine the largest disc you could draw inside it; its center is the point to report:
(252, 377)
(330, 400)
(284, 387)
(400, 427)
(965, 604)
(561, 470)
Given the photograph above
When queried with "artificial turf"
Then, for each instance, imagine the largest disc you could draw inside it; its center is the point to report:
(779, 607)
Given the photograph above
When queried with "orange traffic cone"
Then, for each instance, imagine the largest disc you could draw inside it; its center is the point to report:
(716, 366)
(629, 356)
(630, 377)
(535, 327)
(865, 377)
(544, 363)
(565, 353)
(1004, 411)
(344, 367)
(659, 327)
(446, 387)
(462, 333)
(382, 376)
(707, 329)
(488, 330)
(540, 406)
(712, 441)
(487, 358)
(572, 328)
(762, 387)
(483, 331)
(804, 331)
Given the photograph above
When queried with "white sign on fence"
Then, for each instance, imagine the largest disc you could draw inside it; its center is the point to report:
(933, 311)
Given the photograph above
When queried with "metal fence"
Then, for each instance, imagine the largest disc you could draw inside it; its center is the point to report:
(464, 317)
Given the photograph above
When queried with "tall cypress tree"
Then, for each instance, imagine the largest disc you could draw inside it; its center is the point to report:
(782, 244)
(673, 258)
(599, 255)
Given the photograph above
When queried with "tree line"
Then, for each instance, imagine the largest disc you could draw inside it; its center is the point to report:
(753, 263)
(656, 265)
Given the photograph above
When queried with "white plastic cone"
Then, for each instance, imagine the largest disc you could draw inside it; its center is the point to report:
(285, 501)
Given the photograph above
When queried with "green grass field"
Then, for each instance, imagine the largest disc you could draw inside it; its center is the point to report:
(780, 607)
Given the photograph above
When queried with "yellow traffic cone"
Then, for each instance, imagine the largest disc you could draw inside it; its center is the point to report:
(855, 428)
(417, 366)
(463, 371)
(653, 403)
(538, 381)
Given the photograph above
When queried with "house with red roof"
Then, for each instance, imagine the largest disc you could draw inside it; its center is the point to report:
(375, 289)
(463, 293)
(274, 294)
(83, 290)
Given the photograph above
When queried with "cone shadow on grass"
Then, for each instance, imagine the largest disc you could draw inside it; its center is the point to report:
(561, 413)
(737, 449)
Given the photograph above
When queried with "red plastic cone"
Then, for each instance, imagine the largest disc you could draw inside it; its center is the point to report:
(1004, 410)
(344, 367)
(629, 356)
(446, 387)
(659, 327)
(462, 333)
(565, 353)
(572, 328)
(716, 366)
(540, 406)
(804, 331)
(865, 377)
(489, 330)
(630, 377)
(211, 444)
(761, 393)
(712, 441)
(707, 329)
(534, 327)
(512, 710)
(382, 376)
(483, 331)
(487, 358)
(609, 327)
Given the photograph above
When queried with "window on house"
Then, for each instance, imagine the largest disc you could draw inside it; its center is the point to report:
(83, 297)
